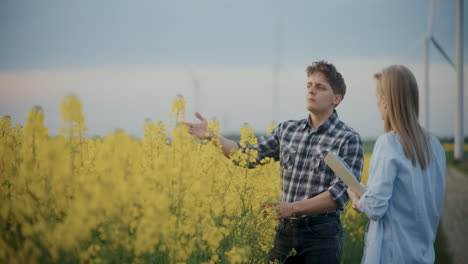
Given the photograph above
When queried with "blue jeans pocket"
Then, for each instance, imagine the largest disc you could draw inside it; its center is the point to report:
(324, 230)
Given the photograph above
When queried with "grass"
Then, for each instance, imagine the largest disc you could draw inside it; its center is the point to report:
(460, 165)
(368, 146)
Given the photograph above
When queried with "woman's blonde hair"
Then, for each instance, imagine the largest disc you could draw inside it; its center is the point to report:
(399, 89)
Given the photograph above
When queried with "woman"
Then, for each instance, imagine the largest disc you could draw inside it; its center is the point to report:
(406, 181)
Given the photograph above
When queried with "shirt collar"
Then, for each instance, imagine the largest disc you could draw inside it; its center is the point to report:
(327, 126)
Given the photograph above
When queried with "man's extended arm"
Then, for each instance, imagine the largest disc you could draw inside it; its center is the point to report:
(200, 130)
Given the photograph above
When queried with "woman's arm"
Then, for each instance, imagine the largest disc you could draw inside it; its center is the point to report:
(374, 203)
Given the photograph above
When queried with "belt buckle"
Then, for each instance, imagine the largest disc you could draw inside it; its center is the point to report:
(291, 220)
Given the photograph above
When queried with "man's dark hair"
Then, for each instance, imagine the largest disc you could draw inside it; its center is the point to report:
(333, 76)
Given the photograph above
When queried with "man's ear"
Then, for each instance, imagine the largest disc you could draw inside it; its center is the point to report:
(338, 99)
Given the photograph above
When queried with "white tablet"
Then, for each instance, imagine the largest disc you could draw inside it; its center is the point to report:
(337, 164)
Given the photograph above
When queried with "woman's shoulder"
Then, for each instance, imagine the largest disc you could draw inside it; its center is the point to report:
(388, 142)
(436, 146)
(387, 137)
(389, 145)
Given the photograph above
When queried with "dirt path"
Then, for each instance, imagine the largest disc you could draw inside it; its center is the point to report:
(455, 215)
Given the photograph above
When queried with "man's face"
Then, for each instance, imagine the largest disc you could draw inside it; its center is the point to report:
(320, 97)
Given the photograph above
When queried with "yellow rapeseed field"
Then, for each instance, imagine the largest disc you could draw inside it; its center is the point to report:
(165, 198)
(451, 147)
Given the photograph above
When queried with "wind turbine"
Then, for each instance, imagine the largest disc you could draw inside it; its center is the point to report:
(430, 39)
(276, 74)
(459, 135)
(427, 43)
(196, 89)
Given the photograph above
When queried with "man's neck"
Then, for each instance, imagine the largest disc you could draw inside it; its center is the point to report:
(318, 119)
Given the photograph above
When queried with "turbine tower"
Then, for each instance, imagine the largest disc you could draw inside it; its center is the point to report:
(276, 73)
(459, 134)
(458, 65)
(427, 43)
(196, 89)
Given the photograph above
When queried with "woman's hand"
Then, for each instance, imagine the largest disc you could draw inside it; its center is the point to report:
(355, 199)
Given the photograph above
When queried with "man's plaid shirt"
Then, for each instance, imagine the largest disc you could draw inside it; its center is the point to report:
(301, 152)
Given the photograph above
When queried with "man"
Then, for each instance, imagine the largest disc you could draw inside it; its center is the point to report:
(312, 196)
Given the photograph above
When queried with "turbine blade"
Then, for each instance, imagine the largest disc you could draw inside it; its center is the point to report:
(439, 48)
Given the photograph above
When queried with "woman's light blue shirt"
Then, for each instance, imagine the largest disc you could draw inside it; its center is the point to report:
(403, 203)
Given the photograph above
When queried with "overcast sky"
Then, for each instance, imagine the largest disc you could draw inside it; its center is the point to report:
(127, 60)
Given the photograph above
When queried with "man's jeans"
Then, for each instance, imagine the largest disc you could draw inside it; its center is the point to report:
(316, 239)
